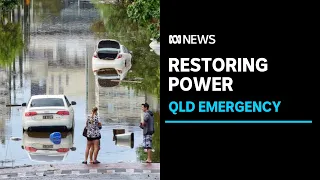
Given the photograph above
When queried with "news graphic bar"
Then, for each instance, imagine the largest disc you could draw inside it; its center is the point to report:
(238, 121)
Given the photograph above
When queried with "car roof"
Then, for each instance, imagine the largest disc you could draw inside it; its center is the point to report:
(46, 96)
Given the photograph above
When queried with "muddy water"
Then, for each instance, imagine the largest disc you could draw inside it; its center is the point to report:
(50, 48)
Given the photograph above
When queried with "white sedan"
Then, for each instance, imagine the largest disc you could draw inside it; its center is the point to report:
(40, 148)
(110, 54)
(48, 111)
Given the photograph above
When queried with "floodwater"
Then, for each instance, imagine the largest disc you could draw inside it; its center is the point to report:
(46, 48)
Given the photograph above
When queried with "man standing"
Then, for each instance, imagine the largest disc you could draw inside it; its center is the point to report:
(148, 129)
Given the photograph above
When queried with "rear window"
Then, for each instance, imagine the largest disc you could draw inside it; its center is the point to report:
(109, 44)
(47, 102)
(106, 72)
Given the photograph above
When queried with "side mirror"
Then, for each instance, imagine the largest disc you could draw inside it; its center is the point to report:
(73, 103)
(130, 52)
(22, 147)
(24, 104)
(73, 149)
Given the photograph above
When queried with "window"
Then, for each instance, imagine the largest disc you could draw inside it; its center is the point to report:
(44, 102)
(125, 50)
(67, 101)
(29, 101)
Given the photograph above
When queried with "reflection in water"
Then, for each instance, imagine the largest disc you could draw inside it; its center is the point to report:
(107, 83)
(121, 104)
(145, 64)
(111, 77)
(11, 34)
(44, 8)
(11, 45)
(40, 148)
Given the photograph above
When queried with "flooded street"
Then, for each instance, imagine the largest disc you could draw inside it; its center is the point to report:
(46, 49)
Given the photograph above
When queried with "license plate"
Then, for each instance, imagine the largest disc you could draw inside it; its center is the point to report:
(47, 117)
(47, 146)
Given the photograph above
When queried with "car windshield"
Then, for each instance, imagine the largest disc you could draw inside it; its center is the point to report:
(43, 102)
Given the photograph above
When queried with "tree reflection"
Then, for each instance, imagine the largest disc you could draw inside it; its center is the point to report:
(11, 45)
(145, 64)
(155, 142)
(45, 7)
(8, 5)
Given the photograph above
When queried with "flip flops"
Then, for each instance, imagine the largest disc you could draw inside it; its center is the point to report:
(91, 162)
(95, 162)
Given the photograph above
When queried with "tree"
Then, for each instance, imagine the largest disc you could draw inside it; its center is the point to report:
(12, 43)
(146, 64)
(146, 13)
(8, 5)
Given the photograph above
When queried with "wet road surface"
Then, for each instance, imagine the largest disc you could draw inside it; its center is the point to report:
(105, 171)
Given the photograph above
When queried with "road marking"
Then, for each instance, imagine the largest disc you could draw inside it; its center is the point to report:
(83, 172)
(146, 171)
(130, 170)
(75, 172)
(111, 171)
(93, 171)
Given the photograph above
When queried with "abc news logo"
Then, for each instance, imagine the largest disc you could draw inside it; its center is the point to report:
(192, 39)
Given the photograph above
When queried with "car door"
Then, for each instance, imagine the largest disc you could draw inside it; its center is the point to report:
(128, 55)
(70, 108)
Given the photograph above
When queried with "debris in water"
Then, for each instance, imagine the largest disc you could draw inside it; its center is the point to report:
(15, 139)
(55, 137)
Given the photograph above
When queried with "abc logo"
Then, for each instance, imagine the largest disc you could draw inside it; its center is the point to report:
(175, 39)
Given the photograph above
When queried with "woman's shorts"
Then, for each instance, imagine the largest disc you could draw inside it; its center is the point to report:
(92, 139)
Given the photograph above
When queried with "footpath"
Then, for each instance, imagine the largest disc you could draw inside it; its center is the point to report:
(79, 169)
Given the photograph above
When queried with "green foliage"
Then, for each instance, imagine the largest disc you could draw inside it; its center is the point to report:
(8, 5)
(147, 14)
(44, 9)
(11, 39)
(146, 64)
(142, 156)
(149, 70)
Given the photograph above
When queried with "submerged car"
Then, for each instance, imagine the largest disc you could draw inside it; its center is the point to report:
(40, 148)
(110, 54)
(48, 111)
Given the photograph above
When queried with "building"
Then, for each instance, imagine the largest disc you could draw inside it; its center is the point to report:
(119, 104)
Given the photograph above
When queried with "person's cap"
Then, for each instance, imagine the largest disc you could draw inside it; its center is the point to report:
(145, 105)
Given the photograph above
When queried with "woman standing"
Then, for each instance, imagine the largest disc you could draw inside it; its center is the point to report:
(93, 136)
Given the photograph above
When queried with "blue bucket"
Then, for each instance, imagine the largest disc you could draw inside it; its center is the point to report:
(55, 137)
